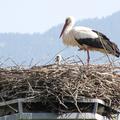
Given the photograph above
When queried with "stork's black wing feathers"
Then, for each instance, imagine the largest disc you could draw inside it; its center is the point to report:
(104, 40)
(94, 42)
(90, 42)
(101, 35)
(101, 42)
(111, 47)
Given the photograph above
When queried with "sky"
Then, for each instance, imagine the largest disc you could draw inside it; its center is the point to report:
(29, 16)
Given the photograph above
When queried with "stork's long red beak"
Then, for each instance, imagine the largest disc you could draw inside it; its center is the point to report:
(63, 29)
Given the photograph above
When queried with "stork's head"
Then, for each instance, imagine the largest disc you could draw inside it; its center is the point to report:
(68, 22)
(58, 59)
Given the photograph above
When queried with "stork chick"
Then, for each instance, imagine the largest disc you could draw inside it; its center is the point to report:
(58, 59)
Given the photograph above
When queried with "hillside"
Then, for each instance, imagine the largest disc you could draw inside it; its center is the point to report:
(22, 48)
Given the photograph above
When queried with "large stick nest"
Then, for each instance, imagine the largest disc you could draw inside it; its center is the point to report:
(59, 82)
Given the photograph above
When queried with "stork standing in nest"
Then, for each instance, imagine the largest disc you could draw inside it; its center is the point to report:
(87, 39)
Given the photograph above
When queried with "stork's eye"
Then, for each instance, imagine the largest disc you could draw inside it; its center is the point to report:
(67, 20)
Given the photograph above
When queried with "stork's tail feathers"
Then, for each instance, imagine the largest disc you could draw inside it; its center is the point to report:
(115, 50)
(117, 55)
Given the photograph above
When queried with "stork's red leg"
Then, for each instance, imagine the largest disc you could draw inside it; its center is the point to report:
(88, 57)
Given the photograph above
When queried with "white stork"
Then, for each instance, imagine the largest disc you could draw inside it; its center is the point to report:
(87, 39)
